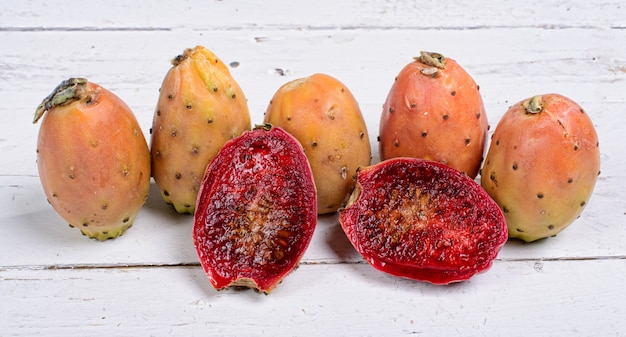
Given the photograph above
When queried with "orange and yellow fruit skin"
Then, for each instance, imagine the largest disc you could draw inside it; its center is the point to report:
(542, 165)
(324, 116)
(200, 107)
(93, 160)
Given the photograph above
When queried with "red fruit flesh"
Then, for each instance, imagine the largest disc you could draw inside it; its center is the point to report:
(423, 220)
(256, 210)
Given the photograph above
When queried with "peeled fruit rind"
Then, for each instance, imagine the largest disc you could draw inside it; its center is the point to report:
(434, 111)
(93, 159)
(200, 107)
(325, 117)
(542, 165)
(256, 210)
(423, 220)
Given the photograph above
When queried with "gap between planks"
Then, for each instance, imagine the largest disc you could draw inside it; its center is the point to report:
(302, 263)
(303, 28)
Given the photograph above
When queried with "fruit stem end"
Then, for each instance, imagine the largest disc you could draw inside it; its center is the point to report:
(66, 92)
(534, 105)
(432, 59)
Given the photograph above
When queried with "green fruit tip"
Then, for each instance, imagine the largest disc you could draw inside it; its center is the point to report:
(65, 93)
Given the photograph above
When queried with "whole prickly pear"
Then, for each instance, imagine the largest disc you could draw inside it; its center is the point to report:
(326, 119)
(542, 165)
(200, 107)
(434, 111)
(92, 157)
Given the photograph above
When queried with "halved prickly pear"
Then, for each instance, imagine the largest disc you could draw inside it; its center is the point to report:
(434, 111)
(256, 211)
(200, 107)
(423, 220)
(542, 165)
(325, 117)
(92, 157)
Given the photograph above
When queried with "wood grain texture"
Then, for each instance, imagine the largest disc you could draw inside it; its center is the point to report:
(323, 14)
(54, 281)
(515, 298)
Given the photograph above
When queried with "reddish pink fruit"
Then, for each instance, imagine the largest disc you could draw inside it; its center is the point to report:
(434, 111)
(423, 220)
(256, 210)
(542, 165)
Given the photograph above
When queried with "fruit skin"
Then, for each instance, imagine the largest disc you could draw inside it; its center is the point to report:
(93, 158)
(542, 165)
(325, 117)
(423, 220)
(256, 211)
(200, 107)
(435, 111)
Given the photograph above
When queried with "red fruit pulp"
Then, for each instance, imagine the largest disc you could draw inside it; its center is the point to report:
(423, 220)
(256, 210)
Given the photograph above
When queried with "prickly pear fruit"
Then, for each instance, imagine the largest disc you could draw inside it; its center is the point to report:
(325, 117)
(435, 111)
(542, 165)
(256, 211)
(92, 157)
(200, 107)
(423, 220)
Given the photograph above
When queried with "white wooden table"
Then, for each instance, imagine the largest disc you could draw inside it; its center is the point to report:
(54, 281)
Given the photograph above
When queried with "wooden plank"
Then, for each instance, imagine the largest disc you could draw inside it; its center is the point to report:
(510, 66)
(323, 14)
(148, 282)
(34, 236)
(547, 298)
(520, 63)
